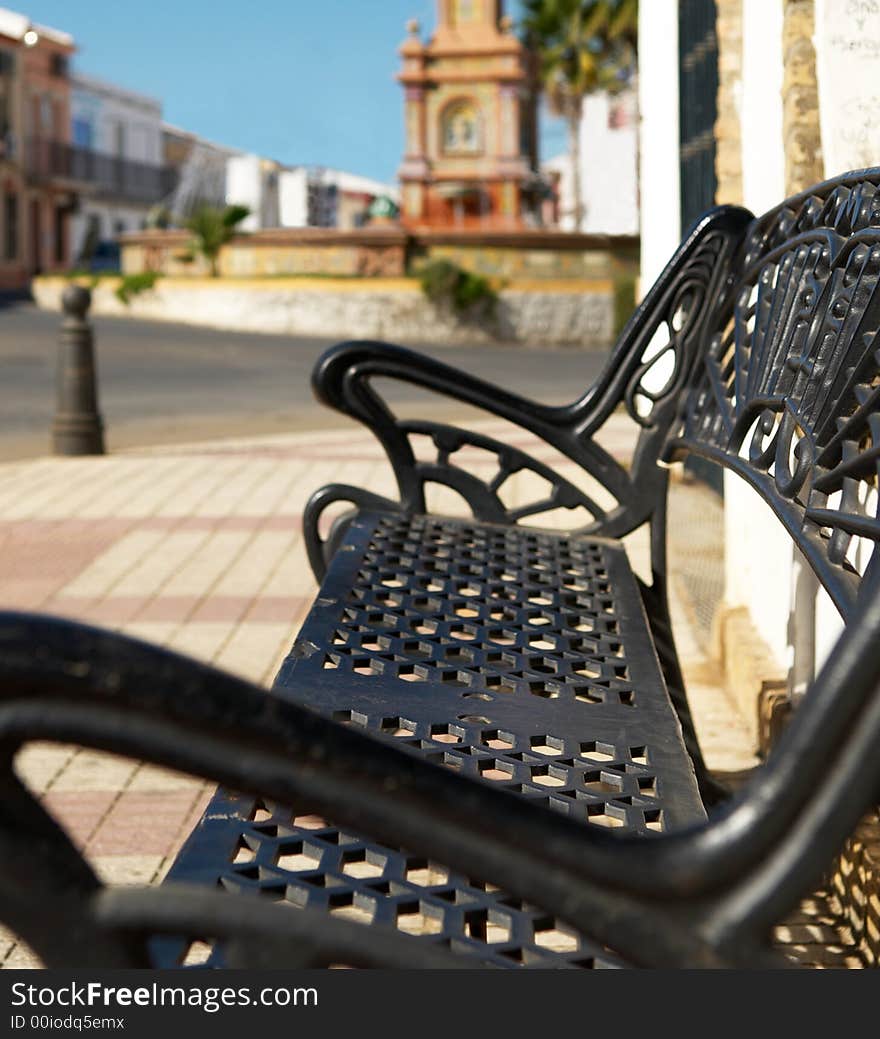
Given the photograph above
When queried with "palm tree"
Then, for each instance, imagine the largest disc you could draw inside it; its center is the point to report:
(582, 46)
(212, 227)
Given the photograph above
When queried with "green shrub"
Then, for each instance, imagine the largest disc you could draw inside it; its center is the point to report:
(132, 284)
(212, 228)
(448, 285)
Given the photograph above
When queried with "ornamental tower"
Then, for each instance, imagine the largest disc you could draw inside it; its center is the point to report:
(470, 101)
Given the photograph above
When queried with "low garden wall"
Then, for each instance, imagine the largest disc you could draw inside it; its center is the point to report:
(388, 251)
(544, 312)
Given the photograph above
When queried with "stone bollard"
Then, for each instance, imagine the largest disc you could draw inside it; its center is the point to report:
(77, 428)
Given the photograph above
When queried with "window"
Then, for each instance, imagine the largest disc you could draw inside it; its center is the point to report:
(58, 66)
(10, 224)
(83, 132)
(44, 107)
(60, 234)
(461, 129)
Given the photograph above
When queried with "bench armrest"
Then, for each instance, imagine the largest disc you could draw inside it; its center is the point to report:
(662, 901)
(663, 335)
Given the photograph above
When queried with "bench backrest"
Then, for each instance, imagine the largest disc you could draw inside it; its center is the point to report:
(785, 389)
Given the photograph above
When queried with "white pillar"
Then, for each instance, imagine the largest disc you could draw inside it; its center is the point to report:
(660, 183)
(763, 150)
(847, 42)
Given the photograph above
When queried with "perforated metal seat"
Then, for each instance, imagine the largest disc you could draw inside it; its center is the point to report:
(512, 656)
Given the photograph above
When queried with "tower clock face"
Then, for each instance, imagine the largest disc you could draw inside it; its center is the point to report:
(461, 129)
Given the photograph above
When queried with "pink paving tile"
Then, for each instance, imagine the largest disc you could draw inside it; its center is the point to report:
(172, 609)
(25, 594)
(110, 612)
(276, 609)
(75, 606)
(41, 556)
(79, 812)
(143, 823)
(221, 609)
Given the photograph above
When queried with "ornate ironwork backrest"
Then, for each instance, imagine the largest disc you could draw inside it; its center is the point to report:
(788, 392)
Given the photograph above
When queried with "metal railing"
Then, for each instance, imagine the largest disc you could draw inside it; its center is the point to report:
(107, 175)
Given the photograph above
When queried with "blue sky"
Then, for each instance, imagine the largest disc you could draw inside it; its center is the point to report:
(302, 81)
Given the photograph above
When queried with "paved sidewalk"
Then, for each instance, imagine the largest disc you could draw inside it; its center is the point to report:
(198, 548)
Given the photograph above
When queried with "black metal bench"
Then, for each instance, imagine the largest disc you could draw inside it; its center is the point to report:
(528, 662)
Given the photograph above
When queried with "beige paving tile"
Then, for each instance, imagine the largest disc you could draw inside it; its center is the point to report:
(255, 564)
(253, 648)
(293, 575)
(128, 480)
(94, 493)
(126, 870)
(202, 641)
(152, 779)
(26, 476)
(166, 484)
(157, 632)
(20, 957)
(93, 770)
(38, 765)
(280, 491)
(239, 482)
(8, 942)
(215, 555)
(54, 483)
(169, 555)
(207, 476)
(100, 577)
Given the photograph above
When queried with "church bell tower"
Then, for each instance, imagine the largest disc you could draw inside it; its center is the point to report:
(470, 112)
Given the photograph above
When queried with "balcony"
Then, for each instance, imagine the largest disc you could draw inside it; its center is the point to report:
(96, 173)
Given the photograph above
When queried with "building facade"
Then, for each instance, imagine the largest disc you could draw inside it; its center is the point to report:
(116, 135)
(471, 122)
(300, 196)
(609, 167)
(197, 171)
(37, 184)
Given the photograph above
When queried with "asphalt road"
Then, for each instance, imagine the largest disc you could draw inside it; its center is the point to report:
(163, 383)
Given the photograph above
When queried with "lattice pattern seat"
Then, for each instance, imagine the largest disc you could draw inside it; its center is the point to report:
(519, 658)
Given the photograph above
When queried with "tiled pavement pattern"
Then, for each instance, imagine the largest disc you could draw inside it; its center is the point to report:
(199, 548)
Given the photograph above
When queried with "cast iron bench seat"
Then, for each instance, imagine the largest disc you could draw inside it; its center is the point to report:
(514, 656)
(479, 751)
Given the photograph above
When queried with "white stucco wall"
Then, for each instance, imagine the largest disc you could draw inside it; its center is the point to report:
(763, 154)
(609, 167)
(759, 557)
(659, 150)
(293, 197)
(377, 308)
(245, 186)
(847, 42)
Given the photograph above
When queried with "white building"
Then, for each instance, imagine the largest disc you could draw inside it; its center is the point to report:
(608, 164)
(300, 196)
(117, 137)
